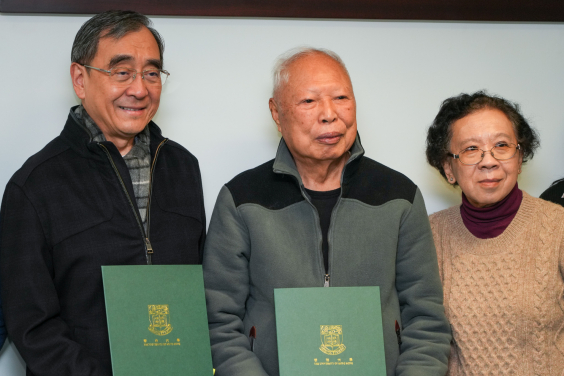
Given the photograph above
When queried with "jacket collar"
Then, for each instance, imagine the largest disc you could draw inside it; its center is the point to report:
(80, 139)
(284, 162)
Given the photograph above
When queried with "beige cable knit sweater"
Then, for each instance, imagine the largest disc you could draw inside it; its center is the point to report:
(504, 296)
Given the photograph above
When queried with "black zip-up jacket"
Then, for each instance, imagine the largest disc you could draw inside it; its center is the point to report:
(66, 212)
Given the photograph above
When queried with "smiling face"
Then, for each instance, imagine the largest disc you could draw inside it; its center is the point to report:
(121, 111)
(489, 181)
(316, 110)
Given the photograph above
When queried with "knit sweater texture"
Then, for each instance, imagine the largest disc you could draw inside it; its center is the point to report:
(504, 296)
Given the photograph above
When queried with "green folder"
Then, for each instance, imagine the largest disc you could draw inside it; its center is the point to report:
(330, 331)
(157, 320)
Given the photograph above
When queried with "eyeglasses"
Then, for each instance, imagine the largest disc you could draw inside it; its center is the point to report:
(472, 155)
(125, 76)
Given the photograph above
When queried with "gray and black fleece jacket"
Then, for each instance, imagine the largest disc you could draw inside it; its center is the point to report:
(265, 234)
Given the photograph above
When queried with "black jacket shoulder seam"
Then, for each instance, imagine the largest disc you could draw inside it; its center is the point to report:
(29, 166)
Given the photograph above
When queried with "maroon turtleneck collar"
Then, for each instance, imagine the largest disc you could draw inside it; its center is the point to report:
(485, 223)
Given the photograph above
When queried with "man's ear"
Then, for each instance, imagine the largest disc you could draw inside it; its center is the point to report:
(78, 73)
(274, 112)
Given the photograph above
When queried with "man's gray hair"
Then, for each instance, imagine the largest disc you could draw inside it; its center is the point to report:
(280, 74)
(115, 24)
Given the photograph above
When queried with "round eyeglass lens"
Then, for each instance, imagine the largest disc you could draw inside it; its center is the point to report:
(153, 76)
(122, 74)
(471, 156)
(504, 151)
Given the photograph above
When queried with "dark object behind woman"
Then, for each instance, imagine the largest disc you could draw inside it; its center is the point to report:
(500, 253)
(555, 193)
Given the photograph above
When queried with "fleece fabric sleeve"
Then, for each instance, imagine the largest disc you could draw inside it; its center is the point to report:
(226, 277)
(29, 298)
(426, 332)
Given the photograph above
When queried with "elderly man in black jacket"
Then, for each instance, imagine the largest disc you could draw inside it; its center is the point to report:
(110, 190)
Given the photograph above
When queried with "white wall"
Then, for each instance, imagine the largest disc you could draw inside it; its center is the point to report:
(216, 100)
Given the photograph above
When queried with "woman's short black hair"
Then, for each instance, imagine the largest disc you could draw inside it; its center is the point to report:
(452, 109)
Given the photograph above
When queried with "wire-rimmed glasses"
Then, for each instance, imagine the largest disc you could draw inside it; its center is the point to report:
(125, 76)
(473, 155)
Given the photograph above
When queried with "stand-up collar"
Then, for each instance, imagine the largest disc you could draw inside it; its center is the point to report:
(284, 162)
(76, 134)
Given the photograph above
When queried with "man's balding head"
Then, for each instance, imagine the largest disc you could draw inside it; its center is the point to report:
(281, 71)
(314, 106)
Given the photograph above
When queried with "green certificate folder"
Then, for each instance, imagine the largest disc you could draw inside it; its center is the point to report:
(157, 320)
(330, 331)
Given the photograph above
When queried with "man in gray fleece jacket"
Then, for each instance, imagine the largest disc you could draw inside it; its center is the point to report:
(321, 214)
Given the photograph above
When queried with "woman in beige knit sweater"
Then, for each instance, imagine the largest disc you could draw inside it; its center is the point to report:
(501, 253)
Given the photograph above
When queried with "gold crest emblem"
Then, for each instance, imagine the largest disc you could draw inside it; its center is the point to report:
(332, 339)
(159, 318)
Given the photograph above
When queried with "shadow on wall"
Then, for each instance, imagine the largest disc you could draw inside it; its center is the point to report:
(438, 193)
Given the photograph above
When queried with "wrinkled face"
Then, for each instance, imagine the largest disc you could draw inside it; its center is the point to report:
(489, 181)
(316, 110)
(121, 111)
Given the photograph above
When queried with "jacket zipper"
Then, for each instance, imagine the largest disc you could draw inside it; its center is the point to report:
(148, 243)
(331, 222)
(326, 283)
(327, 279)
(144, 236)
(327, 275)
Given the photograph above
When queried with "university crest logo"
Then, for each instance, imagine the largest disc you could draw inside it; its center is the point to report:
(159, 317)
(332, 339)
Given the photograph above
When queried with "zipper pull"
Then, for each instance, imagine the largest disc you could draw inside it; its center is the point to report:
(326, 284)
(398, 333)
(253, 337)
(149, 249)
